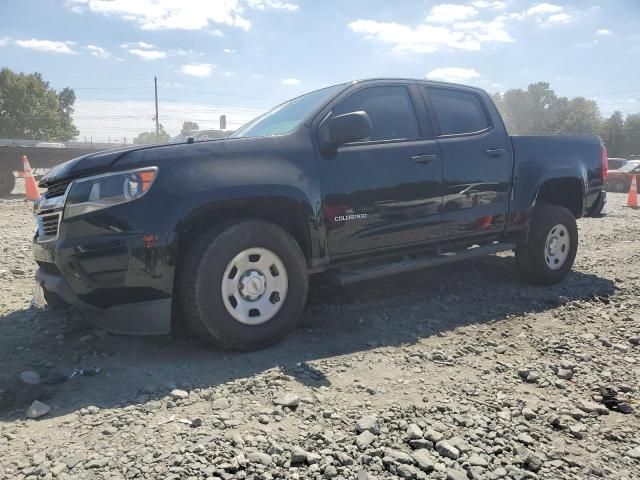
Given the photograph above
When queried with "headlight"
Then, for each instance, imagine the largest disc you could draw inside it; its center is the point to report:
(102, 191)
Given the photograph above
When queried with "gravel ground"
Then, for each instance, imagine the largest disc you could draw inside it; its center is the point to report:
(458, 372)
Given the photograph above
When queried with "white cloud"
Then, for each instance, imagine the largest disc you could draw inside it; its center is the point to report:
(450, 13)
(493, 31)
(47, 46)
(229, 50)
(147, 54)
(275, 4)
(489, 4)
(181, 14)
(197, 69)
(291, 81)
(453, 74)
(544, 8)
(4, 41)
(257, 76)
(185, 53)
(146, 51)
(427, 38)
(137, 45)
(558, 18)
(98, 51)
(547, 14)
(604, 31)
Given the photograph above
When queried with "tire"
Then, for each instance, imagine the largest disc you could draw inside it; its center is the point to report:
(7, 182)
(536, 259)
(206, 301)
(618, 187)
(54, 301)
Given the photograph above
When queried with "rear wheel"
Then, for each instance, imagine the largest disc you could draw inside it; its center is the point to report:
(7, 181)
(551, 249)
(243, 286)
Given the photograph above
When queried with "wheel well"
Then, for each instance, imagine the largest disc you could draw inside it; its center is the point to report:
(286, 213)
(564, 192)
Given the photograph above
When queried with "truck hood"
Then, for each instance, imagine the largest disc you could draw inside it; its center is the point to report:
(85, 165)
(95, 163)
(99, 162)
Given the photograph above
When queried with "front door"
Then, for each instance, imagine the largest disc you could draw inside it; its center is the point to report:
(476, 163)
(383, 191)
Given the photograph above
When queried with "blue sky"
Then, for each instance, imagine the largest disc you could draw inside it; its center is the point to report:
(240, 57)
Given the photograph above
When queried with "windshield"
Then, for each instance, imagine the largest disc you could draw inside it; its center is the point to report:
(284, 118)
(629, 167)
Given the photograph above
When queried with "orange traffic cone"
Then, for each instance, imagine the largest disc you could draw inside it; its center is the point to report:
(632, 201)
(30, 186)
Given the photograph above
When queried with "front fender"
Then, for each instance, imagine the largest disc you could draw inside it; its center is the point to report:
(206, 193)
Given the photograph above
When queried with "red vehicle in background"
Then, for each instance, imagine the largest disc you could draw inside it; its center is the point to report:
(620, 180)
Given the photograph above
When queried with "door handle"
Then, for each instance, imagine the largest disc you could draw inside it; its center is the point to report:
(496, 152)
(424, 158)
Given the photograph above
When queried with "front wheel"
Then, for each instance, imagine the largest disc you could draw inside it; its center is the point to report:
(548, 255)
(243, 286)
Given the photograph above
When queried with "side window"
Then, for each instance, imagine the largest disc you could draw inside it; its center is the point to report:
(389, 108)
(457, 112)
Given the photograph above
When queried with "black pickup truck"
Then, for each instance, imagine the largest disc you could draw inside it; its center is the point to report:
(354, 181)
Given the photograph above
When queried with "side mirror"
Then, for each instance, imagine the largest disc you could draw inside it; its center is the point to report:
(349, 127)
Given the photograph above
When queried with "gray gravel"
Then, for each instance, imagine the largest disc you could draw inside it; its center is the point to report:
(461, 372)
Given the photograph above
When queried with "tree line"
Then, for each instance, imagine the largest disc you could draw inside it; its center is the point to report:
(30, 109)
(144, 138)
(539, 110)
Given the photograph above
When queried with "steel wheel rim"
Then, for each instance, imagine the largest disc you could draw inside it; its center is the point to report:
(254, 286)
(557, 246)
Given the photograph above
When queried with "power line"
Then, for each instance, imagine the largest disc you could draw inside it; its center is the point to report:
(218, 94)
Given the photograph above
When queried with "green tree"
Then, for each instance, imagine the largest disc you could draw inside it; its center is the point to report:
(188, 128)
(66, 100)
(579, 115)
(30, 109)
(539, 110)
(614, 136)
(146, 138)
(632, 134)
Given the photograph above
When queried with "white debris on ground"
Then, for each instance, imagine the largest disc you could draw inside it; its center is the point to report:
(461, 372)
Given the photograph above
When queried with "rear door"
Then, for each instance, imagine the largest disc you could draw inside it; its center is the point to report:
(476, 161)
(384, 191)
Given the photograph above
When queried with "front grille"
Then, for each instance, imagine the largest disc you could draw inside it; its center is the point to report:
(56, 189)
(48, 224)
(49, 210)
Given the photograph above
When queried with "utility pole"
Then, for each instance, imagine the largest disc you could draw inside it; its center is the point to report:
(155, 83)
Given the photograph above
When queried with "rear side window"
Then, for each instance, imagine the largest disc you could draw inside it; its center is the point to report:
(389, 108)
(458, 112)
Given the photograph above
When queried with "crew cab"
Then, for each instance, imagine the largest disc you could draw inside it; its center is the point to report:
(355, 181)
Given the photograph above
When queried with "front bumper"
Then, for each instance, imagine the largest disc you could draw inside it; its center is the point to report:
(140, 318)
(118, 277)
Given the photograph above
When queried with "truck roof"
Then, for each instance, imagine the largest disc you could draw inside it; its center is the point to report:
(417, 80)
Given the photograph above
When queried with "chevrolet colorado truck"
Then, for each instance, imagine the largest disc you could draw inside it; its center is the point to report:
(354, 181)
